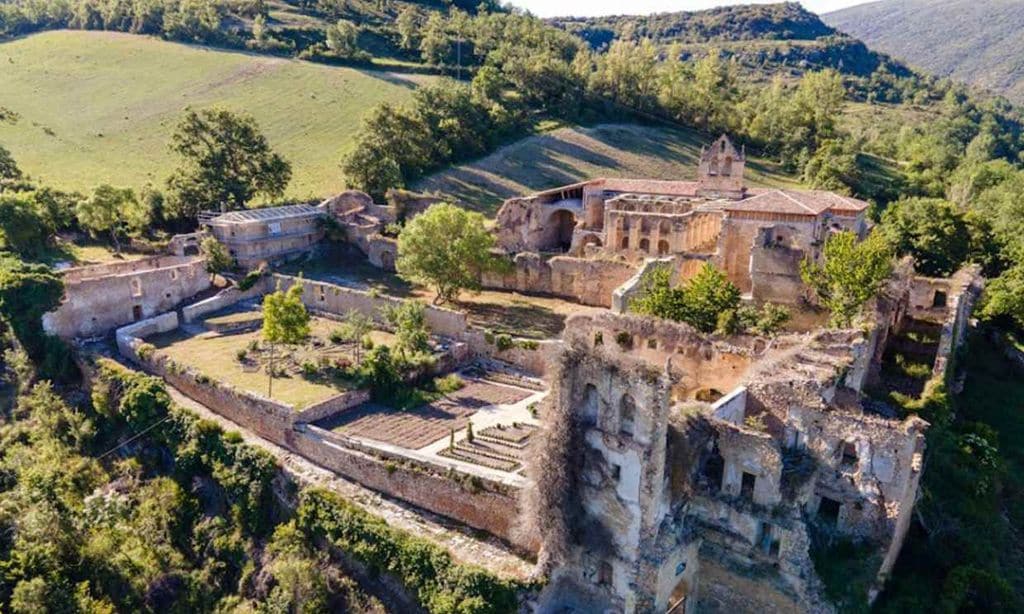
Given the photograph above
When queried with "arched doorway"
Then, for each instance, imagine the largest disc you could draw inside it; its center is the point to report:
(645, 245)
(662, 247)
(561, 226)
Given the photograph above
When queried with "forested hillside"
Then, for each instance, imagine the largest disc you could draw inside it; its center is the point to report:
(980, 42)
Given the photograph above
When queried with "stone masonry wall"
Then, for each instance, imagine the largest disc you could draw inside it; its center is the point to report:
(98, 299)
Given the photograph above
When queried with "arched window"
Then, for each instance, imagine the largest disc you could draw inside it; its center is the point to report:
(662, 247)
(713, 168)
(627, 415)
(665, 227)
(645, 245)
(625, 223)
(727, 168)
(624, 244)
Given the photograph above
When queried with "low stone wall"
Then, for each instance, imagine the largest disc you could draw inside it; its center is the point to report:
(333, 405)
(130, 337)
(531, 356)
(331, 298)
(225, 298)
(966, 286)
(478, 502)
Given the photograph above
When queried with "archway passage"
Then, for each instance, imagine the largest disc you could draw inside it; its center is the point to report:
(562, 224)
(190, 250)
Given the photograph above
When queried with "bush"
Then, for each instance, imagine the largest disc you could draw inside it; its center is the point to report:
(449, 383)
(145, 351)
(241, 354)
(504, 342)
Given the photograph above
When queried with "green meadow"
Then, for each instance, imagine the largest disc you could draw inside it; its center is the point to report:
(100, 107)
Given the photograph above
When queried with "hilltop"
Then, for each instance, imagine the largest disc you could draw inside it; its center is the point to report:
(765, 38)
(128, 93)
(980, 42)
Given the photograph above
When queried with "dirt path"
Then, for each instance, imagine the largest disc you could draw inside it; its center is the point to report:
(464, 547)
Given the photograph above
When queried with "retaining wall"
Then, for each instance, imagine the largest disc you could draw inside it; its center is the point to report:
(477, 502)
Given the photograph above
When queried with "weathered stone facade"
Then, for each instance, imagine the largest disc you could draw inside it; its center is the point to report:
(757, 236)
(257, 236)
(688, 452)
(98, 299)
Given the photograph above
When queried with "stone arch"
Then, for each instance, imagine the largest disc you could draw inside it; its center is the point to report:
(624, 243)
(662, 247)
(190, 250)
(591, 240)
(713, 167)
(645, 244)
(561, 226)
(665, 227)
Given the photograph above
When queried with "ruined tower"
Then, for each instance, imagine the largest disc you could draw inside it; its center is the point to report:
(720, 170)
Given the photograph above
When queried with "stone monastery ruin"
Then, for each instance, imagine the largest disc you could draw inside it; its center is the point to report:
(644, 466)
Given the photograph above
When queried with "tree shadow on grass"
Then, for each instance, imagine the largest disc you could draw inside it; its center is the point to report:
(520, 320)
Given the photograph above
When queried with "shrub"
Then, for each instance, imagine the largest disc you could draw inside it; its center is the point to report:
(504, 342)
(449, 383)
(624, 339)
(309, 369)
(241, 355)
(145, 350)
(337, 336)
(528, 344)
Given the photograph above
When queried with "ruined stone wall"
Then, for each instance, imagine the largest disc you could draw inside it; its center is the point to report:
(742, 233)
(775, 265)
(222, 300)
(98, 299)
(582, 280)
(477, 502)
(699, 362)
(338, 300)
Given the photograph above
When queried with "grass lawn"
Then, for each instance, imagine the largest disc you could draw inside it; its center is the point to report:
(215, 355)
(569, 155)
(100, 107)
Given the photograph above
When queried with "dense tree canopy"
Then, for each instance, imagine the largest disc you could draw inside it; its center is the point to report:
(853, 272)
(226, 163)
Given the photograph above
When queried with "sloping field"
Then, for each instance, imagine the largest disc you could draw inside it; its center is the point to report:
(100, 107)
(568, 155)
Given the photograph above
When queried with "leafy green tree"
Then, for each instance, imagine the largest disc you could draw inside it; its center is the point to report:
(225, 163)
(409, 320)
(285, 320)
(343, 40)
(356, 327)
(700, 302)
(447, 248)
(22, 230)
(931, 230)
(833, 167)
(852, 273)
(1003, 299)
(706, 295)
(408, 27)
(218, 259)
(10, 174)
(436, 42)
(113, 210)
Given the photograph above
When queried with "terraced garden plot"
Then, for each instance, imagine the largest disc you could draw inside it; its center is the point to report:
(419, 427)
(229, 357)
(502, 447)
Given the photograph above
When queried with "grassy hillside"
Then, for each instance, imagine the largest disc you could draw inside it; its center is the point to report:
(100, 107)
(977, 41)
(567, 155)
(769, 39)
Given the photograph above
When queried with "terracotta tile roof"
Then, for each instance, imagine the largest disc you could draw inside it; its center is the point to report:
(649, 186)
(798, 202)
